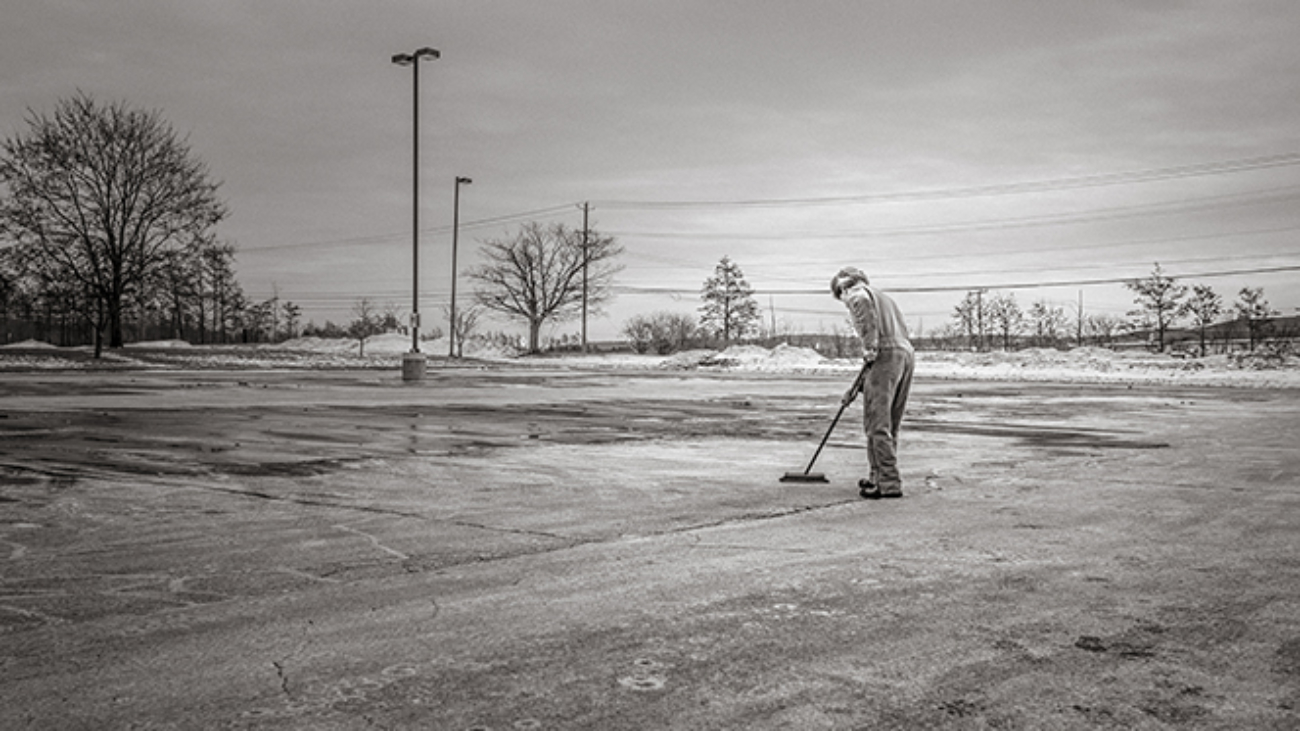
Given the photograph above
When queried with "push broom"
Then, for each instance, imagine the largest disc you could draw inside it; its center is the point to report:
(807, 475)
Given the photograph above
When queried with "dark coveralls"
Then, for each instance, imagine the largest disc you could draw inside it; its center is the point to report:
(880, 325)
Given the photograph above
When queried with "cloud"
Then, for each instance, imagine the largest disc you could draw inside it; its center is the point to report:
(296, 106)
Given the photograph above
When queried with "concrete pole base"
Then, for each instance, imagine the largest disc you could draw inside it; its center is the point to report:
(413, 366)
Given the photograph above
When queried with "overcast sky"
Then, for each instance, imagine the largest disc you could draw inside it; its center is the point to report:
(937, 145)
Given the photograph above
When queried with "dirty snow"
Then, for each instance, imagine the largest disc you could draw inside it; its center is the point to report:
(27, 345)
(1079, 365)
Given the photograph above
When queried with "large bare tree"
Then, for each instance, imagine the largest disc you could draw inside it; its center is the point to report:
(103, 193)
(545, 274)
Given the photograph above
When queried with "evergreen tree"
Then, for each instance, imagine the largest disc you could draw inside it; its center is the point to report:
(729, 309)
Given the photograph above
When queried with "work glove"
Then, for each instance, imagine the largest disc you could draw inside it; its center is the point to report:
(851, 394)
(859, 385)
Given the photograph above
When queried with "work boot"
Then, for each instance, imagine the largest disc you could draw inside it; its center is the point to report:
(871, 491)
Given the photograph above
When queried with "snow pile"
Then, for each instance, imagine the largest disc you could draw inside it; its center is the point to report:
(1267, 367)
(1080, 365)
(393, 344)
(781, 359)
(1097, 365)
(28, 345)
(688, 359)
(488, 350)
(1264, 359)
(316, 345)
(155, 344)
(383, 344)
(17, 362)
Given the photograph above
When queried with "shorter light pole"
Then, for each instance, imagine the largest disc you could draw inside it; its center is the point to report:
(455, 234)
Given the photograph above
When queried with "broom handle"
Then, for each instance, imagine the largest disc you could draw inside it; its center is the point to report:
(857, 386)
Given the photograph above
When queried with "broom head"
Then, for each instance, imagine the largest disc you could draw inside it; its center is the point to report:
(804, 477)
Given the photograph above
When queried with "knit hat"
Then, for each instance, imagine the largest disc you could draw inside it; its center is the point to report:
(853, 274)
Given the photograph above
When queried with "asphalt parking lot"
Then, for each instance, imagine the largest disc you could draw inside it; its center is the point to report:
(516, 548)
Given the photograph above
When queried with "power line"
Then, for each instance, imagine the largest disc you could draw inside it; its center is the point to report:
(435, 292)
(384, 238)
(1198, 205)
(1051, 184)
(1076, 267)
(630, 289)
(1099, 180)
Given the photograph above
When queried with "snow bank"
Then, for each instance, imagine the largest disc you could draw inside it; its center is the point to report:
(783, 358)
(1097, 365)
(1080, 365)
(28, 345)
(160, 344)
(383, 344)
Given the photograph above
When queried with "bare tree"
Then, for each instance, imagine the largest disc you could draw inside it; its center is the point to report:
(12, 289)
(1252, 308)
(538, 276)
(103, 193)
(1160, 303)
(1102, 329)
(663, 332)
(1204, 306)
(972, 315)
(1048, 323)
(1006, 317)
(368, 322)
(464, 325)
(640, 333)
(220, 294)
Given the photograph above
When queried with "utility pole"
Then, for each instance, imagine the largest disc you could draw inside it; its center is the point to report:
(771, 306)
(585, 210)
(1078, 340)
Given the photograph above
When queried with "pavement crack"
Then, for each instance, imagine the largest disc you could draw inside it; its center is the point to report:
(304, 501)
(755, 517)
(744, 547)
(374, 540)
(284, 678)
(517, 531)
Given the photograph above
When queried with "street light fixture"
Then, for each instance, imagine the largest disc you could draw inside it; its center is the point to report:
(413, 363)
(455, 233)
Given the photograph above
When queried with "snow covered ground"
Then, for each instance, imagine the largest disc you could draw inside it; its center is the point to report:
(1080, 365)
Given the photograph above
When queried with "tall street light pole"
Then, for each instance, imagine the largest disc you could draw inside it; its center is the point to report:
(455, 234)
(413, 363)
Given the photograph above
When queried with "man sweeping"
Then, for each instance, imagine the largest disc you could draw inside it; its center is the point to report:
(889, 358)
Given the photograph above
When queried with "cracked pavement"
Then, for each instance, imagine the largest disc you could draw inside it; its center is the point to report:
(529, 548)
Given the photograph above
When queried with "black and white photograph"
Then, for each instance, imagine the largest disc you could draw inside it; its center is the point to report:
(488, 365)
